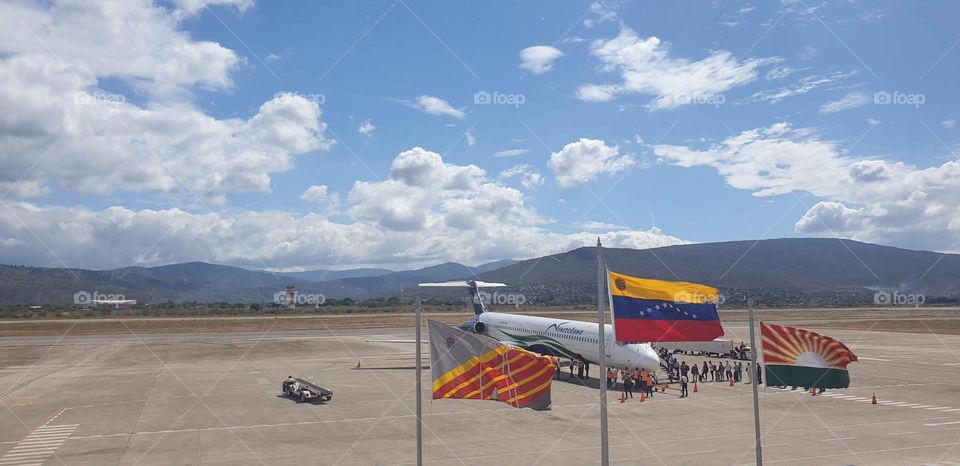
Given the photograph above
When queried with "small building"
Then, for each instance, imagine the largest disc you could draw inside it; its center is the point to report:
(116, 303)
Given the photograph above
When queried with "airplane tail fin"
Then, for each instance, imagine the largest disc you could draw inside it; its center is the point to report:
(474, 287)
(477, 299)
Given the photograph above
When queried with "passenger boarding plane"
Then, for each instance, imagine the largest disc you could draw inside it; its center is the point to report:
(556, 337)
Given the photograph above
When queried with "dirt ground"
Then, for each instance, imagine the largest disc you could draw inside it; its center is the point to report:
(914, 320)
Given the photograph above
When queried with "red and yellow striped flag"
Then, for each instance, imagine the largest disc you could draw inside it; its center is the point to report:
(469, 366)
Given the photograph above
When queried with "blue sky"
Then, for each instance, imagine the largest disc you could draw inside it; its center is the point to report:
(230, 131)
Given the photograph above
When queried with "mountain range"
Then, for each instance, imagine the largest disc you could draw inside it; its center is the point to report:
(786, 271)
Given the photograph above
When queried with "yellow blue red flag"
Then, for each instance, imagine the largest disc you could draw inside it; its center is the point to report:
(647, 310)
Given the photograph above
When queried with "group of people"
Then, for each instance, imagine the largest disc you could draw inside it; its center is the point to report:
(582, 366)
(636, 380)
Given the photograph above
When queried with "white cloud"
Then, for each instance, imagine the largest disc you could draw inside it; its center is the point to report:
(949, 124)
(847, 102)
(366, 128)
(436, 106)
(779, 72)
(315, 194)
(192, 7)
(873, 121)
(539, 58)
(602, 12)
(471, 138)
(646, 68)
(799, 87)
(426, 211)
(866, 199)
(600, 226)
(528, 178)
(809, 52)
(69, 133)
(586, 159)
(510, 152)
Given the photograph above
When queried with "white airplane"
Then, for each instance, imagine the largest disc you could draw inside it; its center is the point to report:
(556, 337)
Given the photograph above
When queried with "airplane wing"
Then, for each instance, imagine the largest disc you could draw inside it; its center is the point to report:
(422, 342)
(463, 284)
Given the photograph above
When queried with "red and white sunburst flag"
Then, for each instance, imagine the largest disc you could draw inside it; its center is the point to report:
(794, 357)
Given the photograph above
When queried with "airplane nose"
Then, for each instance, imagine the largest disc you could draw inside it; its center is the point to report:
(652, 358)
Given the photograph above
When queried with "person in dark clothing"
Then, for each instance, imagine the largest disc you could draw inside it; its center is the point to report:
(627, 383)
(571, 368)
(759, 374)
(579, 368)
(586, 368)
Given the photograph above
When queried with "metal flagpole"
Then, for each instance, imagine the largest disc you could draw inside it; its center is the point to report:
(753, 381)
(601, 271)
(419, 393)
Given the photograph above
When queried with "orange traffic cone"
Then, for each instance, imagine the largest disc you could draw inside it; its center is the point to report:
(643, 397)
(623, 397)
(731, 381)
(358, 363)
(874, 400)
(695, 388)
(813, 391)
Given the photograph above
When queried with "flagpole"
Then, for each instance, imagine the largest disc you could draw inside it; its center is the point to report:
(753, 382)
(601, 270)
(419, 392)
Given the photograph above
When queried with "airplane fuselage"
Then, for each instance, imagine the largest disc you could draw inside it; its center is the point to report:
(567, 339)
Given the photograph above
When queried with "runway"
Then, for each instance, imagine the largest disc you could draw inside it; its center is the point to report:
(212, 398)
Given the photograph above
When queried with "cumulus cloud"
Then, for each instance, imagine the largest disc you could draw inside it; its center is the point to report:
(436, 106)
(646, 67)
(585, 160)
(366, 128)
(869, 199)
(427, 210)
(539, 58)
(69, 133)
(847, 102)
(528, 178)
(949, 124)
(315, 194)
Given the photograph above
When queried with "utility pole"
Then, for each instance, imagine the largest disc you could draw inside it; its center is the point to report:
(753, 381)
(601, 276)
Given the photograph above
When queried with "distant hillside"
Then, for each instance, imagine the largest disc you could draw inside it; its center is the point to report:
(392, 283)
(326, 275)
(777, 271)
(202, 282)
(779, 266)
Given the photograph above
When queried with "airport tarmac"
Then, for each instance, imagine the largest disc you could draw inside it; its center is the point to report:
(214, 399)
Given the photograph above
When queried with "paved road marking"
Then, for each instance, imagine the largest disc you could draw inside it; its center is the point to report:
(40, 445)
(934, 424)
(838, 439)
(900, 433)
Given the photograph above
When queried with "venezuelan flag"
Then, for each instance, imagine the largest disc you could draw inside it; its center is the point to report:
(646, 310)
